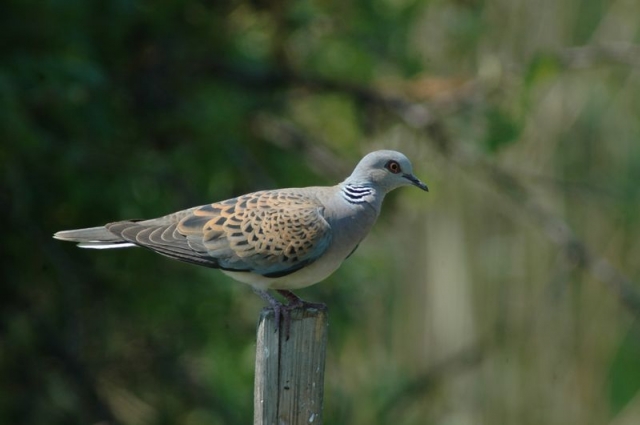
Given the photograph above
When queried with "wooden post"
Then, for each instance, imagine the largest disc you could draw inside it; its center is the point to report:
(289, 382)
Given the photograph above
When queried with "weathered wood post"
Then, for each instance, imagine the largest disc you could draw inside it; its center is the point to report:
(289, 381)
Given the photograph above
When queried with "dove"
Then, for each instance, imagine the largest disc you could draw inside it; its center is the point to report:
(280, 239)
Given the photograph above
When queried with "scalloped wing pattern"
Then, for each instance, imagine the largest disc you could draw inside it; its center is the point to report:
(272, 233)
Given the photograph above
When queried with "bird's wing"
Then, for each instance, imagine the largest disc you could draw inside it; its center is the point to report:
(272, 233)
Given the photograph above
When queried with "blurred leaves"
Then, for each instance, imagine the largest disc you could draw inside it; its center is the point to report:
(624, 375)
(501, 129)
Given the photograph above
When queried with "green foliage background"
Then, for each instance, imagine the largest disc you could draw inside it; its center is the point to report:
(506, 295)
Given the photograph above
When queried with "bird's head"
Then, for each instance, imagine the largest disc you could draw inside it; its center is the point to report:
(385, 170)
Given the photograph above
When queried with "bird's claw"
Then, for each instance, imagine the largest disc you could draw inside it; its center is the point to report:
(282, 311)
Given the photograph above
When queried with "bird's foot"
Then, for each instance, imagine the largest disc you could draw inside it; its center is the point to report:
(297, 302)
(294, 303)
(283, 311)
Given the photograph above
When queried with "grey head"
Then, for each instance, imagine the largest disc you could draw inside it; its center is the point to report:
(384, 170)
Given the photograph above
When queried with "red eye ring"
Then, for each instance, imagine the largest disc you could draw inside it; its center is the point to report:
(393, 166)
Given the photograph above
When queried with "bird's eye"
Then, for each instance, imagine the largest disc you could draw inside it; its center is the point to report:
(393, 166)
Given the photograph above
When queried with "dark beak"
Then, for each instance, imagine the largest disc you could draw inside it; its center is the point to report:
(416, 182)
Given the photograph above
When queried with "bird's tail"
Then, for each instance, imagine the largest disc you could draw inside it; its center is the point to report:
(93, 237)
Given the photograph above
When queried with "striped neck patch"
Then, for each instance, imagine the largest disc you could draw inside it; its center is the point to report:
(357, 194)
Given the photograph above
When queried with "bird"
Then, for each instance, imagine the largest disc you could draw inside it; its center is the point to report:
(274, 240)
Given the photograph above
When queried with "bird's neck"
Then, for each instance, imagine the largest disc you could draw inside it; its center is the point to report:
(360, 194)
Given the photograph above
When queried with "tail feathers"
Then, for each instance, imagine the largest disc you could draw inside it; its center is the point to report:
(93, 237)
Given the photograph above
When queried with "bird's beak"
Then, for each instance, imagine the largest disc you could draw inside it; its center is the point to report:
(416, 182)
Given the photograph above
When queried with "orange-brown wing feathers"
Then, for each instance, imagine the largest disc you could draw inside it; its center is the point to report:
(272, 233)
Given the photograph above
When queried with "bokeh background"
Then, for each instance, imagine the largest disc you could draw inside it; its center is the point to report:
(506, 295)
